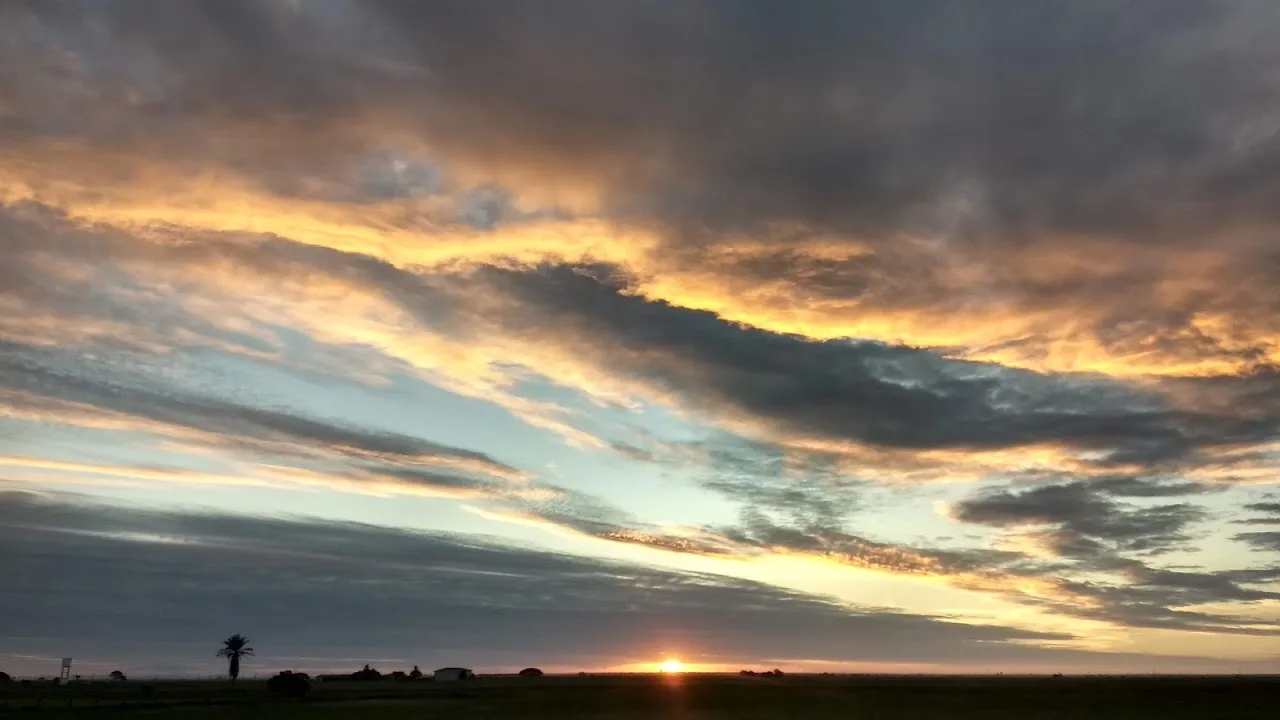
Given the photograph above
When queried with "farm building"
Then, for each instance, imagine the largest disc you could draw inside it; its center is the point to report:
(453, 674)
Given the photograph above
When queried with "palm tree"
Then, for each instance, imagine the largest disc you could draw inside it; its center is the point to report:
(234, 648)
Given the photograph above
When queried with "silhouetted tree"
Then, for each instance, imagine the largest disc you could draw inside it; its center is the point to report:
(289, 684)
(118, 676)
(531, 672)
(367, 673)
(777, 672)
(234, 648)
(5, 679)
(416, 673)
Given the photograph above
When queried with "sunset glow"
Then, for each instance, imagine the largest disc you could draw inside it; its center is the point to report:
(671, 666)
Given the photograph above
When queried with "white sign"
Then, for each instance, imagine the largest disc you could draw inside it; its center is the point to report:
(66, 663)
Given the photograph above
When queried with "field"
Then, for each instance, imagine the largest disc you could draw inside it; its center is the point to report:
(688, 697)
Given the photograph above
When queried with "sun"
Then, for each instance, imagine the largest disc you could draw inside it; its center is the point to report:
(671, 665)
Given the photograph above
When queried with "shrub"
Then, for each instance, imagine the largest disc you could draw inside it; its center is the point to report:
(5, 679)
(289, 684)
(531, 672)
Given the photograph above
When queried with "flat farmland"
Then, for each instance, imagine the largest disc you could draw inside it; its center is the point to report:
(686, 697)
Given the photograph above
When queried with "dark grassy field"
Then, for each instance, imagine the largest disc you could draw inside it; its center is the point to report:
(689, 697)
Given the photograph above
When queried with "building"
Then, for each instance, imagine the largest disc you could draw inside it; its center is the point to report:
(452, 674)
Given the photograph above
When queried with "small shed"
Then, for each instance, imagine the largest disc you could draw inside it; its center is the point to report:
(452, 674)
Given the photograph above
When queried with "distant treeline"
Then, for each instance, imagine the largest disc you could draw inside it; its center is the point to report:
(767, 673)
(368, 674)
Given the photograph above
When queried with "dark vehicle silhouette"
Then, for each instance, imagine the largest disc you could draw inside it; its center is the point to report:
(289, 684)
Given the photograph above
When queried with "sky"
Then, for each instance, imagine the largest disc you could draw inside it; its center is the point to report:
(929, 336)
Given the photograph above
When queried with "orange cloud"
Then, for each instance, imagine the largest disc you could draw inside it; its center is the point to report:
(1013, 318)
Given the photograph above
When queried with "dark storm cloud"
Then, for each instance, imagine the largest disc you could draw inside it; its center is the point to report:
(92, 576)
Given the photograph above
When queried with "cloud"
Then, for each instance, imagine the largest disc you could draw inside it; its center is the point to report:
(171, 581)
(894, 411)
(888, 173)
(1270, 510)
(476, 330)
(831, 170)
(1261, 540)
(1080, 549)
(849, 391)
(283, 432)
(1087, 529)
(1129, 486)
(1076, 550)
(159, 292)
(1265, 540)
(1084, 519)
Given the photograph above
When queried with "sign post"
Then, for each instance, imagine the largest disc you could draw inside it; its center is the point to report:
(66, 669)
